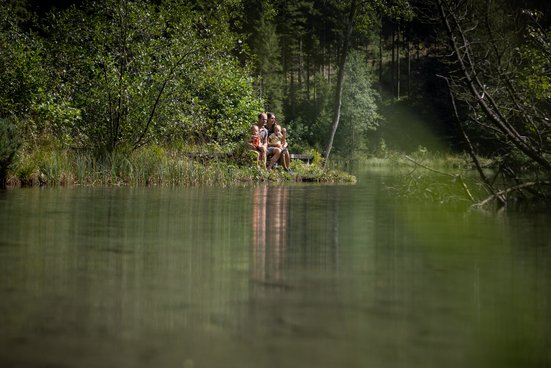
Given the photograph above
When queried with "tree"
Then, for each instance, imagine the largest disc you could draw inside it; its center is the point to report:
(356, 15)
(359, 107)
(494, 79)
(21, 73)
(140, 73)
(346, 38)
(268, 66)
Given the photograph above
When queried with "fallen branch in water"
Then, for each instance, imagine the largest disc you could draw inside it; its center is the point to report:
(456, 176)
(429, 168)
(511, 189)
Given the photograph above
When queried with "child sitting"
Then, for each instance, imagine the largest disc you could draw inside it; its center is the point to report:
(276, 139)
(275, 145)
(256, 146)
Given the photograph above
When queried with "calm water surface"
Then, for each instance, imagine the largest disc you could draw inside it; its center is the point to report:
(269, 276)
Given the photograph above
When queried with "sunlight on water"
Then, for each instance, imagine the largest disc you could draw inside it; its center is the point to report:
(268, 276)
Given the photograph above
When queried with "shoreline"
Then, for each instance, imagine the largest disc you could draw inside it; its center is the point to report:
(154, 166)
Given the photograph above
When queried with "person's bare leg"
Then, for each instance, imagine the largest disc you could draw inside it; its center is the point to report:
(282, 161)
(263, 157)
(275, 157)
(287, 160)
(285, 156)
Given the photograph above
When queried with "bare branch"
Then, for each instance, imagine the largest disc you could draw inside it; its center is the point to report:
(512, 189)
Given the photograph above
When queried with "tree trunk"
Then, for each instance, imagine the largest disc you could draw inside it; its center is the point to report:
(398, 72)
(308, 77)
(300, 71)
(393, 63)
(408, 53)
(292, 92)
(381, 56)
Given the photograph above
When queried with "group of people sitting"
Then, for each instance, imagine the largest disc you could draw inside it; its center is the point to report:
(269, 142)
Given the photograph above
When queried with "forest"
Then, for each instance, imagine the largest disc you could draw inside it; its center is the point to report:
(352, 79)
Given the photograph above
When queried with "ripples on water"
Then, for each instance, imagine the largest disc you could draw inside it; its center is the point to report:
(292, 276)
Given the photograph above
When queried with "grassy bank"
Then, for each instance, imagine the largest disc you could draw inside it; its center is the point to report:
(430, 176)
(437, 160)
(448, 178)
(153, 166)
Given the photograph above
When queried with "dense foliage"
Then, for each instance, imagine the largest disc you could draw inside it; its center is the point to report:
(120, 74)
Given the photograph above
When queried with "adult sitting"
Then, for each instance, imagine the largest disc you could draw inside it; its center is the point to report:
(284, 154)
(276, 141)
(272, 151)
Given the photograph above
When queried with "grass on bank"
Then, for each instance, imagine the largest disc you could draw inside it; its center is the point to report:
(454, 179)
(425, 175)
(438, 160)
(154, 166)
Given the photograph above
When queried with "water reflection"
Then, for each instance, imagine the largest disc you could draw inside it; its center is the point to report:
(300, 275)
(269, 226)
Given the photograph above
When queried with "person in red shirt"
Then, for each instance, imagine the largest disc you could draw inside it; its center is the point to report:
(257, 146)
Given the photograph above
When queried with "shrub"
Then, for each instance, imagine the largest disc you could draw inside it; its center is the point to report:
(9, 145)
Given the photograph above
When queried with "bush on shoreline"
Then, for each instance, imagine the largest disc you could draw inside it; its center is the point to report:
(9, 146)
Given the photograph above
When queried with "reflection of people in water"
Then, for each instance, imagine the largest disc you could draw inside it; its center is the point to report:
(259, 231)
(269, 232)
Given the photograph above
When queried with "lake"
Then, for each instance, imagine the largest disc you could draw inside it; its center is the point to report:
(302, 275)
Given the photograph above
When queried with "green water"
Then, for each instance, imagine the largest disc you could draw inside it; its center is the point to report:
(288, 276)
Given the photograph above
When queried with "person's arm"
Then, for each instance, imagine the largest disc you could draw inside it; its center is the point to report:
(264, 138)
(277, 144)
